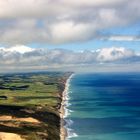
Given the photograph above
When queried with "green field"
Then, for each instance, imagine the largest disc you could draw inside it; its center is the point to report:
(34, 95)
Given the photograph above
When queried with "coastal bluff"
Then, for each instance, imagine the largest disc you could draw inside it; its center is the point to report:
(30, 105)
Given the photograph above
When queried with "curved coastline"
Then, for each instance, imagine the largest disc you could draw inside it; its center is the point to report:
(63, 111)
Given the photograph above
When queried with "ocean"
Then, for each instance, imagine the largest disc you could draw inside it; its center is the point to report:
(103, 106)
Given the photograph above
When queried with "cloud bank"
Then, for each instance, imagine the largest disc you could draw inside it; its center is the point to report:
(63, 21)
(42, 59)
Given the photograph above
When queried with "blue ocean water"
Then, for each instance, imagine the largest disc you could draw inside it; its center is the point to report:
(104, 106)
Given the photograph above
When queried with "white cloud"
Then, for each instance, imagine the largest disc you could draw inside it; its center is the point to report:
(14, 57)
(114, 53)
(43, 8)
(18, 48)
(61, 21)
(70, 32)
(123, 38)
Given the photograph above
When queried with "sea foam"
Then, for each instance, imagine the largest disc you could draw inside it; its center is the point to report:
(66, 98)
(71, 133)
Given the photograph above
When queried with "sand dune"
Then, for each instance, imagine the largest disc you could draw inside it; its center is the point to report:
(9, 118)
(10, 136)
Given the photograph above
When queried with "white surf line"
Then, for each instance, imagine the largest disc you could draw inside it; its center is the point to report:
(63, 109)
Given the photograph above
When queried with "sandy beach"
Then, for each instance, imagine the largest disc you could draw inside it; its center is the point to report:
(63, 131)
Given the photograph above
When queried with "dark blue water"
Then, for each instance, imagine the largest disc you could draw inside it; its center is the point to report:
(105, 106)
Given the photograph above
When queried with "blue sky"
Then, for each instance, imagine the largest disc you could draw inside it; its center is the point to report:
(133, 29)
(91, 45)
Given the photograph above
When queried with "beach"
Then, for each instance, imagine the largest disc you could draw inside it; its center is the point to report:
(63, 130)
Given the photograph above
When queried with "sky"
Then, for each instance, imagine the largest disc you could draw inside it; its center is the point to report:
(77, 35)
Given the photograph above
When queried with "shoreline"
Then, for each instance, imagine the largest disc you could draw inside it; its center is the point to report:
(63, 130)
(27, 115)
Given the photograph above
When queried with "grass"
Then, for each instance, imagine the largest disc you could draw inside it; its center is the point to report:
(36, 95)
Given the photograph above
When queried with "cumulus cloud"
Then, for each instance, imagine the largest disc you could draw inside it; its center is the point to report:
(42, 59)
(113, 54)
(62, 21)
(18, 48)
